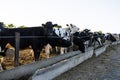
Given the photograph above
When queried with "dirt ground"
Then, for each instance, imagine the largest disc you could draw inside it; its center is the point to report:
(104, 67)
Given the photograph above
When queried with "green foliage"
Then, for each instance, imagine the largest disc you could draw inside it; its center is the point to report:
(57, 26)
(3, 24)
(22, 26)
(10, 26)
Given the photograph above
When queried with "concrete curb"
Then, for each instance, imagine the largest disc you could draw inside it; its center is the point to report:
(100, 50)
(53, 71)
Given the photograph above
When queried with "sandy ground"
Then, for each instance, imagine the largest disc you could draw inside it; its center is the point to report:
(104, 67)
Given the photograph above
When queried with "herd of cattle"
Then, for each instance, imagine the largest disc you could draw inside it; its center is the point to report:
(49, 37)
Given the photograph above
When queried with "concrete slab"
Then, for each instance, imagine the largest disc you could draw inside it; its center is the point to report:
(52, 71)
(100, 50)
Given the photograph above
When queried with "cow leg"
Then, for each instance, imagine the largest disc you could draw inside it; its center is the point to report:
(82, 47)
(66, 50)
(62, 50)
(36, 54)
(48, 48)
(99, 41)
(90, 43)
(86, 43)
(0, 49)
(1, 68)
(56, 50)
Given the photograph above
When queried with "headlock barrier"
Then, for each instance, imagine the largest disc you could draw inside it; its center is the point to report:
(50, 68)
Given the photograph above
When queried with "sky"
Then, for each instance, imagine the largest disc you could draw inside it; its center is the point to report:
(97, 15)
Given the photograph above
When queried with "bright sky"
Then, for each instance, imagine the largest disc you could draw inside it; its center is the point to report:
(96, 15)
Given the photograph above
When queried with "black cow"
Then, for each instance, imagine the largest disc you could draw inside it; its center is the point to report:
(44, 35)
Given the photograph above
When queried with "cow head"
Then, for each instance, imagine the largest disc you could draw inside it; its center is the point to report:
(48, 28)
(65, 43)
(63, 33)
(73, 28)
(86, 30)
(58, 41)
(110, 37)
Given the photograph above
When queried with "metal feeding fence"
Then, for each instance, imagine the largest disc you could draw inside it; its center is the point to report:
(17, 43)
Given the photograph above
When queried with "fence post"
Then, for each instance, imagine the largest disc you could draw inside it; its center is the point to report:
(17, 42)
(94, 48)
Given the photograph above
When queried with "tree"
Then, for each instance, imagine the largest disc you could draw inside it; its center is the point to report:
(11, 26)
(57, 26)
(22, 26)
(2, 24)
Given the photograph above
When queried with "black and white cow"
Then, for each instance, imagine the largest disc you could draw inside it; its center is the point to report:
(66, 34)
(86, 38)
(110, 37)
(82, 39)
(44, 35)
(77, 40)
(87, 35)
(99, 38)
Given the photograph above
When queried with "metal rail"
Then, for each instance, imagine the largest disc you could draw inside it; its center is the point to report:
(42, 36)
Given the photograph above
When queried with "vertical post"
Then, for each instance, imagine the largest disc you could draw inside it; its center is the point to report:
(17, 42)
(94, 48)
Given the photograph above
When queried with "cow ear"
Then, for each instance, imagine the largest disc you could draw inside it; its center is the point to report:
(43, 24)
(67, 24)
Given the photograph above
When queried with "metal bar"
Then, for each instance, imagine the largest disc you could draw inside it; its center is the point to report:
(30, 37)
(39, 37)
(17, 42)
